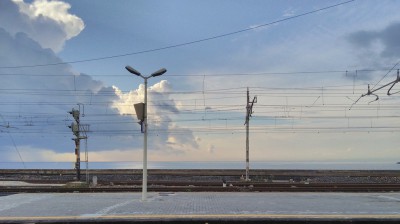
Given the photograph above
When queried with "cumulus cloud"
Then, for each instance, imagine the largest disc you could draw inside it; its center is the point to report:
(47, 22)
(161, 108)
(158, 91)
(35, 100)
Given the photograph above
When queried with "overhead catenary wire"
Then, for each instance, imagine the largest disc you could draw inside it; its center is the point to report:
(264, 110)
(314, 112)
(371, 92)
(223, 130)
(265, 73)
(390, 70)
(13, 142)
(237, 90)
(262, 91)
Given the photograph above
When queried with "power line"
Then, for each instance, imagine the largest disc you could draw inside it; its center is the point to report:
(385, 75)
(371, 92)
(16, 149)
(236, 90)
(227, 130)
(216, 74)
(183, 44)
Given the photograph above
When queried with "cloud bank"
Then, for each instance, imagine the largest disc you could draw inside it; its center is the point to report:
(35, 101)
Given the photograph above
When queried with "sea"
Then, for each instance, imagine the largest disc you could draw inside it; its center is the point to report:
(208, 165)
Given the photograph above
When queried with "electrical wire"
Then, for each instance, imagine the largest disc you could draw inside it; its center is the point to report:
(182, 44)
(320, 72)
(390, 70)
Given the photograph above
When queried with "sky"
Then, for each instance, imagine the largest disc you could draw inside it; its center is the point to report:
(307, 63)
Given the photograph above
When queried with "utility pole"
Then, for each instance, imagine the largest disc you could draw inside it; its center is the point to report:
(77, 128)
(249, 111)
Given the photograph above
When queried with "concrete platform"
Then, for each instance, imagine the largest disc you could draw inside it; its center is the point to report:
(25, 184)
(204, 206)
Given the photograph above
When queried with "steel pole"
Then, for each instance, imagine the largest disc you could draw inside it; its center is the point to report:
(154, 74)
(144, 184)
(78, 153)
(247, 135)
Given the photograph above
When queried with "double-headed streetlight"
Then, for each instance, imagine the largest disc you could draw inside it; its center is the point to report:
(157, 73)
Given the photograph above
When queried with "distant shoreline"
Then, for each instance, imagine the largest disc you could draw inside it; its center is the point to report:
(255, 165)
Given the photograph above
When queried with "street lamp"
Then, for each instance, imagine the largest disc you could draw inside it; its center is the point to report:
(157, 73)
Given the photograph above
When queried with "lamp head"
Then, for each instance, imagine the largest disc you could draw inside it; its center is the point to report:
(132, 70)
(159, 72)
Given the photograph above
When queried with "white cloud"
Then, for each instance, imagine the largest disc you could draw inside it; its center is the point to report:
(47, 22)
(161, 108)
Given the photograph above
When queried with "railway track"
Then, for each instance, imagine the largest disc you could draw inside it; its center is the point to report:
(212, 187)
(204, 172)
(207, 180)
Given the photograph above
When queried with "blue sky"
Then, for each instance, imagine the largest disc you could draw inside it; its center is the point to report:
(296, 67)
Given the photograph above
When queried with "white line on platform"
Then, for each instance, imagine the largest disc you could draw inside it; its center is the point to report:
(390, 198)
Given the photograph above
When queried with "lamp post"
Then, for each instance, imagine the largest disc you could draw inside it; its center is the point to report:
(157, 73)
